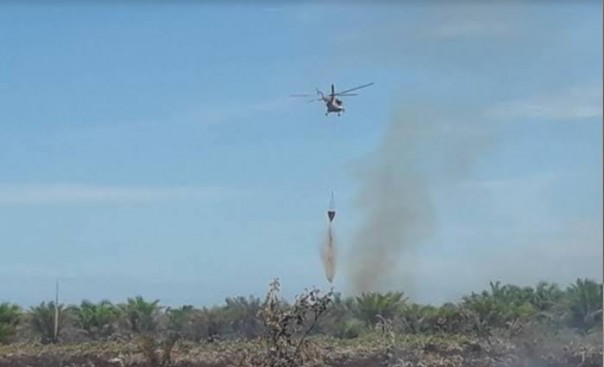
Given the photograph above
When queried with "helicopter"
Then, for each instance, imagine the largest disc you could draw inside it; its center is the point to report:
(333, 104)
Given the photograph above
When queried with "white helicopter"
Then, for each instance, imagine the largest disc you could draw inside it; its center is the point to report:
(332, 103)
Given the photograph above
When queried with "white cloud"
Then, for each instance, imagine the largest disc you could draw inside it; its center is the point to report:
(573, 103)
(70, 193)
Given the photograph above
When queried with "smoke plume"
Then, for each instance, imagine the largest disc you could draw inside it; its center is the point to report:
(422, 149)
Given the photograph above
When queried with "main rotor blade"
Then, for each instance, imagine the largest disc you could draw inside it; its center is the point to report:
(355, 88)
(345, 95)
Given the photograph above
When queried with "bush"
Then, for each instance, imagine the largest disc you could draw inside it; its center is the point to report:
(10, 316)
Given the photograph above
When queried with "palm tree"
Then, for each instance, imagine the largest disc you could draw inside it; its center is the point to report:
(371, 306)
(188, 322)
(141, 315)
(546, 296)
(96, 319)
(43, 321)
(242, 314)
(584, 302)
(417, 318)
(509, 294)
(214, 321)
(486, 309)
(339, 320)
(10, 316)
(453, 318)
(178, 318)
(501, 306)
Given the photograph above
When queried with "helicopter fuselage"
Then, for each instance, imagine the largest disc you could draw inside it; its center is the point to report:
(333, 105)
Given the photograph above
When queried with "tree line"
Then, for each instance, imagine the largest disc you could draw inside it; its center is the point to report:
(577, 307)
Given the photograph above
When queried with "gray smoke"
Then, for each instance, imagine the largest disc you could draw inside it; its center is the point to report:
(422, 149)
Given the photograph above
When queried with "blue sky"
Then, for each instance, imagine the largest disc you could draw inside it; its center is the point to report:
(153, 149)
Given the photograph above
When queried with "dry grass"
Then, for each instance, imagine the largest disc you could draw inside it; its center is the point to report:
(373, 349)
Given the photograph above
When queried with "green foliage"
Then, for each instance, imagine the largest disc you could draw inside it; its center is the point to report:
(195, 324)
(584, 304)
(97, 320)
(215, 322)
(10, 316)
(179, 318)
(371, 306)
(43, 321)
(546, 297)
(141, 315)
(242, 313)
(350, 328)
(549, 300)
(502, 306)
(340, 321)
(452, 319)
(418, 318)
(501, 309)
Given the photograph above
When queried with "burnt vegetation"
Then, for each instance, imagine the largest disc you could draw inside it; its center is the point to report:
(505, 325)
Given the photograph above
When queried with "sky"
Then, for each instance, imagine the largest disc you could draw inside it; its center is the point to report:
(153, 150)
